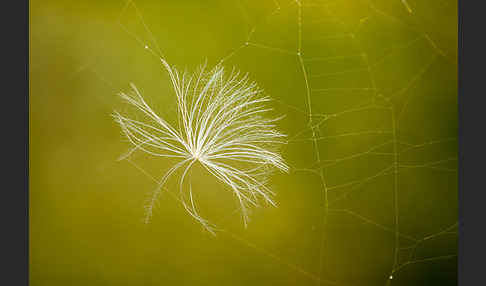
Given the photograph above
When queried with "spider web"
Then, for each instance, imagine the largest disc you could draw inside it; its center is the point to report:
(370, 169)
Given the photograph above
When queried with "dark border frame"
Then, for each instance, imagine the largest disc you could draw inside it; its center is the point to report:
(14, 211)
(472, 193)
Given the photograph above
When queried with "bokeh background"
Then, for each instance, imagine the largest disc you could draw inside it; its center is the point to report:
(369, 90)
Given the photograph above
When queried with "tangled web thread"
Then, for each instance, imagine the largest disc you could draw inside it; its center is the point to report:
(312, 70)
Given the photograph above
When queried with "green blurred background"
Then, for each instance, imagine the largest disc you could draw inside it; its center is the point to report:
(383, 100)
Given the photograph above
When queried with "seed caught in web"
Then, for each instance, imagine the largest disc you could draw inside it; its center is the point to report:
(223, 125)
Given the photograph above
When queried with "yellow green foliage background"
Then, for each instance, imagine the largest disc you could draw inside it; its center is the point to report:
(380, 100)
